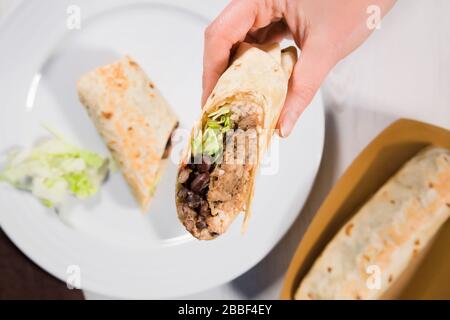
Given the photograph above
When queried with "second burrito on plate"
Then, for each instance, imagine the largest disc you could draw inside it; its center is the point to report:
(133, 119)
(217, 173)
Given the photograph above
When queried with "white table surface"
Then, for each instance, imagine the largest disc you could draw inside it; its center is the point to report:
(403, 70)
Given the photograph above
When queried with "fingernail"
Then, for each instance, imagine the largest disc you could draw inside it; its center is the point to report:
(286, 126)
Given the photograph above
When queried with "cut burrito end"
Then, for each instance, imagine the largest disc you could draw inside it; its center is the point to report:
(133, 119)
(216, 178)
(213, 188)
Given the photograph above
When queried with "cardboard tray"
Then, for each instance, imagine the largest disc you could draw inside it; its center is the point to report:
(429, 278)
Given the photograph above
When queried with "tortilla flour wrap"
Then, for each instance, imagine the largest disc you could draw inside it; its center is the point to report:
(386, 235)
(133, 119)
(217, 172)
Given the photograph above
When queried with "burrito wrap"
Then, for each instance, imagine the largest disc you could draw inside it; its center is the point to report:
(257, 77)
(133, 119)
(386, 234)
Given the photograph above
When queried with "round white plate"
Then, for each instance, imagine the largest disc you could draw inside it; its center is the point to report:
(118, 250)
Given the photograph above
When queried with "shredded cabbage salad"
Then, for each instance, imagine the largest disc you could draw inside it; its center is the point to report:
(54, 169)
(211, 141)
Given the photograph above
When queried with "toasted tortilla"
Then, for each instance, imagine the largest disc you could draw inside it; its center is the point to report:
(257, 75)
(133, 119)
(386, 235)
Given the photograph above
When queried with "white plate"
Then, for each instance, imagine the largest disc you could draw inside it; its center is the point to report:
(121, 252)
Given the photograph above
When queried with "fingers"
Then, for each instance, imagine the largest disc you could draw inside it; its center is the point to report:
(308, 74)
(229, 28)
(274, 33)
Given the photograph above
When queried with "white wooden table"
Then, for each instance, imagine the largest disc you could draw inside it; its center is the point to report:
(403, 70)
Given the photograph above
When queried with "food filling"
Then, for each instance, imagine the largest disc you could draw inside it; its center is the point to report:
(214, 185)
(168, 147)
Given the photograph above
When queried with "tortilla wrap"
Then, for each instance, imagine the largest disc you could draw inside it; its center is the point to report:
(257, 77)
(386, 235)
(133, 119)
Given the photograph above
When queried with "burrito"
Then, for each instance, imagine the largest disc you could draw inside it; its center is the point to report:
(217, 172)
(134, 120)
(386, 235)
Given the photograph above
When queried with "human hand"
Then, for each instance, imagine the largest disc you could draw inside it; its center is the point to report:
(325, 30)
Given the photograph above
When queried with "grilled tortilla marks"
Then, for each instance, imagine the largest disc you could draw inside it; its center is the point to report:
(135, 127)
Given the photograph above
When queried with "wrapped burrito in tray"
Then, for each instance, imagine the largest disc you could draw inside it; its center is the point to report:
(134, 120)
(217, 172)
(386, 235)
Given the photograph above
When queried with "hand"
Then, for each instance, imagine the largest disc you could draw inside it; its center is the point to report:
(325, 30)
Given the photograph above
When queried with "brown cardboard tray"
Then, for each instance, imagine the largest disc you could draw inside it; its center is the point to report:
(427, 279)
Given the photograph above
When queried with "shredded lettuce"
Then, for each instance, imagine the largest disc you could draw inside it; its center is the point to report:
(47, 203)
(219, 112)
(80, 184)
(54, 169)
(220, 119)
(196, 144)
(211, 143)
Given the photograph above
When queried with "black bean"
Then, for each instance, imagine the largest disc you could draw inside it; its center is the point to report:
(204, 193)
(201, 224)
(203, 167)
(200, 182)
(193, 200)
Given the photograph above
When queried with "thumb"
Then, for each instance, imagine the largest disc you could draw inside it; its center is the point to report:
(309, 72)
